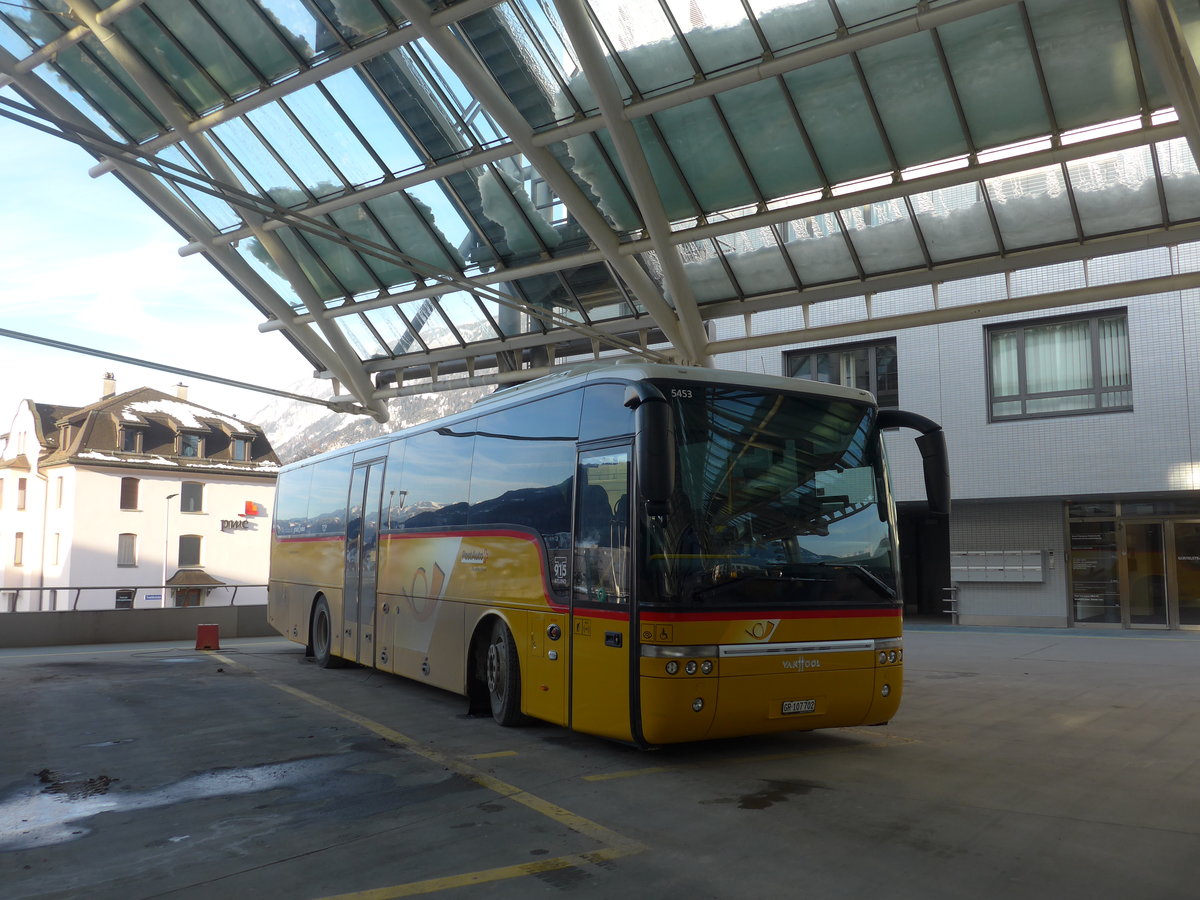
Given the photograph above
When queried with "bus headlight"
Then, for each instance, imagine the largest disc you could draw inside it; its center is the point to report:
(690, 668)
(891, 656)
(698, 704)
(672, 666)
(706, 667)
(882, 657)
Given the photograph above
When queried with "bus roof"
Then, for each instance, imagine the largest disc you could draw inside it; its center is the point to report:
(616, 370)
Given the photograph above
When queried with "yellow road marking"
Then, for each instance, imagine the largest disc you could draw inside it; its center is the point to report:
(631, 773)
(485, 876)
(614, 844)
(497, 755)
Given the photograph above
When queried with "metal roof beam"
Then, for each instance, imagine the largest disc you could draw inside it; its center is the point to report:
(1174, 61)
(641, 180)
(481, 84)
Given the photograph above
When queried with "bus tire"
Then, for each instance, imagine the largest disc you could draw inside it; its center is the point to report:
(503, 675)
(322, 636)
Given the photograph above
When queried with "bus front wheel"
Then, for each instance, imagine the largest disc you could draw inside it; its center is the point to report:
(503, 676)
(322, 636)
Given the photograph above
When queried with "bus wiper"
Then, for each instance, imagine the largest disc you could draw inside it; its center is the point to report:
(866, 575)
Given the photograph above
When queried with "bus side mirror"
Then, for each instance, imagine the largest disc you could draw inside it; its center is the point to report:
(654, 446)
(935, 460)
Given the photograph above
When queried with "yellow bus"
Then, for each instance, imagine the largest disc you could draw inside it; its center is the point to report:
(648, 553)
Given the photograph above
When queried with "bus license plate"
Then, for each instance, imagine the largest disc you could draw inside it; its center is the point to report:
(792, 707)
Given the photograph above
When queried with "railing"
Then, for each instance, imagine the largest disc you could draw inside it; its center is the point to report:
(154, 596)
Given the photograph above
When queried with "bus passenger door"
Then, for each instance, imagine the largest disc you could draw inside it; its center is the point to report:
(600, 598)
(362, 561)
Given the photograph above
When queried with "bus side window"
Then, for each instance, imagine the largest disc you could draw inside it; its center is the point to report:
(604, 412)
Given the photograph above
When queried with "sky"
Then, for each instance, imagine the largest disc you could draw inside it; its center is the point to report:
(83, 260)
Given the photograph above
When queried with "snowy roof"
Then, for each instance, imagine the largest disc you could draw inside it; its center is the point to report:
(410, 189)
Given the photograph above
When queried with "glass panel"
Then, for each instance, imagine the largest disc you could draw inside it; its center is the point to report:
(1180, 180)
(706, 274)
(299, 26)
(1095, 584)
(701, 148)
(643, 38)
(391, 328)
(322, 122)
(261, 44)
(1032, 208)
(388, 273)
(186, 79)
(910, 92)
(762, 124)
(333, 269)
(790, 24)
(1187, 571)
(468, 319)
(445, 220)
(1147, 573)
(832, 106)
(296, 150)
(360, 336)
(355, 20)
(244, 146)
(757, 261)
(955, 223)
(717, 31)
(995, 77)
(818, 249)
(1084, 54)
(372, 121)
(1114, 351)
(1117, 192)
(205, 45)
(883, 236)
(254, 255)
(129, 111)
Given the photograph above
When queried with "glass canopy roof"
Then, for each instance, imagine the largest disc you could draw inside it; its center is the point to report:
(423, 195)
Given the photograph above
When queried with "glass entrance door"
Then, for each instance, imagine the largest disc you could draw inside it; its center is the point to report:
(1146, 573)
(1187, 572)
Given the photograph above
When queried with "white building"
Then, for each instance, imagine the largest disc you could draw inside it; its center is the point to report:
(139, 500)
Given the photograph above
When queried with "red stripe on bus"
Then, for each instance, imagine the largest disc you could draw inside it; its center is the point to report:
(771, 614)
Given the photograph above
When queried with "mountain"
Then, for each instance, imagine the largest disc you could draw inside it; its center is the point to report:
(300, 430)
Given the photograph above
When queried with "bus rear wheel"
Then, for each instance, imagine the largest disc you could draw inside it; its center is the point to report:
(503, 676)
(322, 636)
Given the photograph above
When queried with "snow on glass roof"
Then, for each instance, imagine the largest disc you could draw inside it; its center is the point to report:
(418, 192)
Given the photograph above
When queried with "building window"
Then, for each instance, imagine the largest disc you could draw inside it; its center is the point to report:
(871, 367)
(131, 440)
(188, 597)
(241, 449)
(191, 445)
(125, 598)
(129, 493)
(191, 497)
(19, 549)
(127, 550)
(1059, 367)
(58, 492)
(21, 486)
(189, 550)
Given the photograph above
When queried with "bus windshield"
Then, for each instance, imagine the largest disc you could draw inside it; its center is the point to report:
(780, 501)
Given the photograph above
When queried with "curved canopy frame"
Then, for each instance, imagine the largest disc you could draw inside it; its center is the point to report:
(430, 195)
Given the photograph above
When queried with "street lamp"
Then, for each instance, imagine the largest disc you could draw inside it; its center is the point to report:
(166, 548)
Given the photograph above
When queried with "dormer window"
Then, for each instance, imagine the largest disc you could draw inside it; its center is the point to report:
(191, 445)
(131, 439)
(241, 449)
